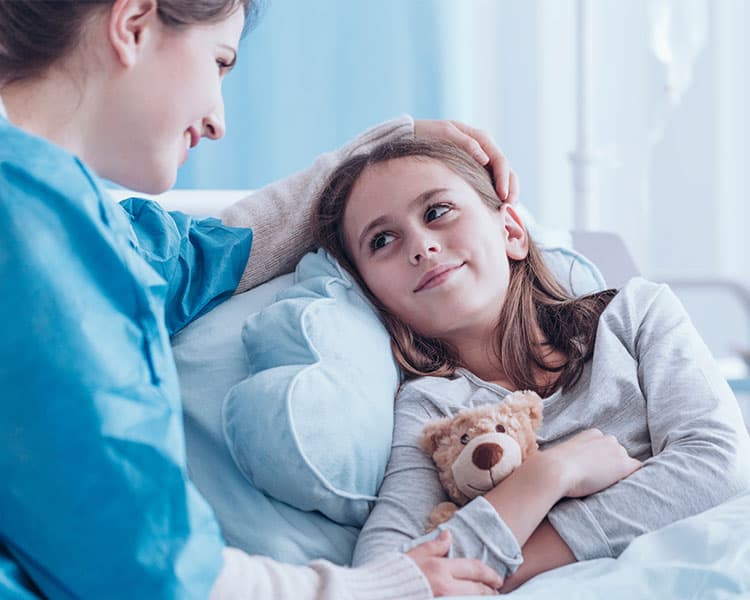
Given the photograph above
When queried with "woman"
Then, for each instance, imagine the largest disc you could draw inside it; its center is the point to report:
(96, 501)
(474, 314)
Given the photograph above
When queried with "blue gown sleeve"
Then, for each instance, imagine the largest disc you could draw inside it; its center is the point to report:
(201, 260)
(95, 500)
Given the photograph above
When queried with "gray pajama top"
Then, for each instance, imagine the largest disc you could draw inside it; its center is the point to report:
(652, 383)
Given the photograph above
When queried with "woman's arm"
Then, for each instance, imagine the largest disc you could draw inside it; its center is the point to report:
(281, 214)
(95, 497)
(423, 573)
(201, 260)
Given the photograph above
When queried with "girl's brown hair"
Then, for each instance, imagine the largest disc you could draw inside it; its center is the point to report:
(36, 34)
(534, 295)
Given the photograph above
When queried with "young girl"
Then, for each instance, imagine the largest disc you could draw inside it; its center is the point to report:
(96, 501)
(474, 314)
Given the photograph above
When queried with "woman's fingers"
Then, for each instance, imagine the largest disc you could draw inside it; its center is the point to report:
(514, 187)
(476, 572)
(437, 547)
(480, 145)
(453, 576)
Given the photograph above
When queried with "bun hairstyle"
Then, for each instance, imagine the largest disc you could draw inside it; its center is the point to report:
(34, 34)
(534, 295)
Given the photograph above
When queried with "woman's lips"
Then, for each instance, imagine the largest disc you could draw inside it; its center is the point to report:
(190, 140)
(437, 276)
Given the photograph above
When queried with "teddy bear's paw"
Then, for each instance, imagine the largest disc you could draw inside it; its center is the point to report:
(440, 514)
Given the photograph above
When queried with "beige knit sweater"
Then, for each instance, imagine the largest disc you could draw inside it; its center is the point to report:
(280, 216)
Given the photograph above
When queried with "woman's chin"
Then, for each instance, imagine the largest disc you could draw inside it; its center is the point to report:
(154, 183)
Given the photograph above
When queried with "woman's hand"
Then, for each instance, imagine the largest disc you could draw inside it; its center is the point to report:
(453, 576)
(591, 461)
(480, 146)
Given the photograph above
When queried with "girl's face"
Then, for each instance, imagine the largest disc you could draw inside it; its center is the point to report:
(429, 248)
(169, 98)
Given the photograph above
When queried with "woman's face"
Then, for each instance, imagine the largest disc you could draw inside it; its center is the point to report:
(168, 100)
(429, 248)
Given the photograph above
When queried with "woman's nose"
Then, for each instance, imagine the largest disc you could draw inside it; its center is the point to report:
(212, 126)
(423, 248)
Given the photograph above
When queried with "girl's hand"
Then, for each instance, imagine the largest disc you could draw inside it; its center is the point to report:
(591, 461)
(480, 146)
(453, 576)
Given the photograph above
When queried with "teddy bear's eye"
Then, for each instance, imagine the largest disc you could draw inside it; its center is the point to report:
(465, 439)
(499, 428)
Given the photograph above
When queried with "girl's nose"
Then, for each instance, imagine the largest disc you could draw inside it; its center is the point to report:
(422, 249)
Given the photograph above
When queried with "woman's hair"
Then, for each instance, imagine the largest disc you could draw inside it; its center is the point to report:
(534, 295)
(35, 34)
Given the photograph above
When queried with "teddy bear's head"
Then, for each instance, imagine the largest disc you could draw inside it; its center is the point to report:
(479, 447)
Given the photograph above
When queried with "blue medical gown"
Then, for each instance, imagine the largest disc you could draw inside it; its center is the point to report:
(95, 501)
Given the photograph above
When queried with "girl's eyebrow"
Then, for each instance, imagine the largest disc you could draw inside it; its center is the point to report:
(421, 199)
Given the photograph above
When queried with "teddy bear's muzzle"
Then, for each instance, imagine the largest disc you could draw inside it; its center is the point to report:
(484, 462)
(486, 456)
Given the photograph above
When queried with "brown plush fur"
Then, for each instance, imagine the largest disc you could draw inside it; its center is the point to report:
(520, 413)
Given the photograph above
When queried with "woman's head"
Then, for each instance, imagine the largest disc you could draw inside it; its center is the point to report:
(421, 228)
(131, 85)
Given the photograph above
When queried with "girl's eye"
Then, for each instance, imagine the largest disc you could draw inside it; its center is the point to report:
(499, 428)
(465, 439)
(436, 211)
(380, 240)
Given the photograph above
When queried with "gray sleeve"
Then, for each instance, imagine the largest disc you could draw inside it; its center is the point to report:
(699, 442)
(411, 489)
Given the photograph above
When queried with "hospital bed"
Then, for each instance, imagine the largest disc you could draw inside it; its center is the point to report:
(315, 509)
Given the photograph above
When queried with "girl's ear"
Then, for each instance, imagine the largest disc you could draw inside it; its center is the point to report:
(516, 237)
(128, 22)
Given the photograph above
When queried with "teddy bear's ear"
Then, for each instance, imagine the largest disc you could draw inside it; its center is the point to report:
(530, 403)
(432, 434)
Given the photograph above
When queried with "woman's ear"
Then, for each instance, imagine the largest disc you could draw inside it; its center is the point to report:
(128, 22)
(516, 237)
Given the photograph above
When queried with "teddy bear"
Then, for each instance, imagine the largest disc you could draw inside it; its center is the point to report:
(480, 446)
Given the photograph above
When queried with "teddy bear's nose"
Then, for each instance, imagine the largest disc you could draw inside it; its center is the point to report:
(486, 456)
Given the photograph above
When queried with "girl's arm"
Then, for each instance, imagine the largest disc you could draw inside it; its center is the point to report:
(411, 489)
(492, 528)
(700, 447)
(545, 550)
(584, 464)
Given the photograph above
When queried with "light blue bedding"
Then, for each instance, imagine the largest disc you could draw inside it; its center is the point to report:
(704, 557)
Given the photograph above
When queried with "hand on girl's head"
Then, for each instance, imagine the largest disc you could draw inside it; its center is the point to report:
(479, 145)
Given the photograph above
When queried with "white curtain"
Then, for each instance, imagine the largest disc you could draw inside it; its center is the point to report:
(667, 111)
